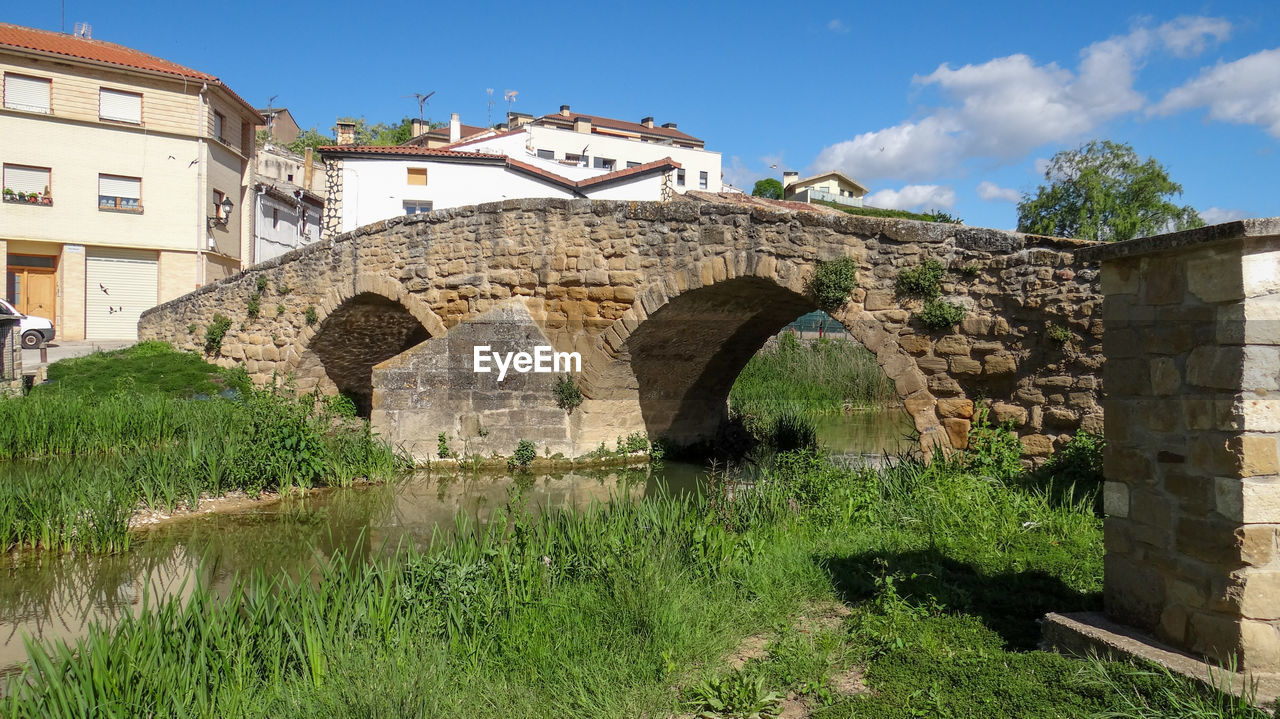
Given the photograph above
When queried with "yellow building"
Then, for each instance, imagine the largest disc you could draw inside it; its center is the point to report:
(126, 180)
(829, 187)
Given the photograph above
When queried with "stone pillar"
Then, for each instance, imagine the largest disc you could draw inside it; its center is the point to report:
(1192, 380)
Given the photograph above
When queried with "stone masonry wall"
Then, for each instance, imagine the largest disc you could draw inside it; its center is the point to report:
(593, 274)
(1192, 429)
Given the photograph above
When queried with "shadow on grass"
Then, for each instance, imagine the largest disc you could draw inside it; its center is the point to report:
(1009, 603)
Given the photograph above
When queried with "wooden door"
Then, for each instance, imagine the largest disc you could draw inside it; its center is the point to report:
(32, 285)
(41, 295)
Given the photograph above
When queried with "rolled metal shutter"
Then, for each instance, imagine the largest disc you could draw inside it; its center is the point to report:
(122, 106)
(26, 93)
(119, 286)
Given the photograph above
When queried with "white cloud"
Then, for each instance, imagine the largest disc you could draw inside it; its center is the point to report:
(1007, 106)
(1246, 91)
(736, 173)
(1217, 215)
(837, 25)
(1189, 36)
(989, 191)
(913, 197)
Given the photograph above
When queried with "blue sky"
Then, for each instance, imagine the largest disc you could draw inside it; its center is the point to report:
(944, 105)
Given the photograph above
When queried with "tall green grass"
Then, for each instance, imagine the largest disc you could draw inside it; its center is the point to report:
(75, 464)
(808, 379)
(620, 610)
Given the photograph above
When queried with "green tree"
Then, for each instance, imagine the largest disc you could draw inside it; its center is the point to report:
(309, 138)
(768, 187)
(1104, 191)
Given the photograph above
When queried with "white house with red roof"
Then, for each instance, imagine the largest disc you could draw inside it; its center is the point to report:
(562, 155)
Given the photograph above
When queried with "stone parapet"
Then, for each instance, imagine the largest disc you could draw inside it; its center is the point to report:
(1192, 343)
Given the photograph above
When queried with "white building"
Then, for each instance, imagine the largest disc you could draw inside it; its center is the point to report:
(562, 155)
(286, 217)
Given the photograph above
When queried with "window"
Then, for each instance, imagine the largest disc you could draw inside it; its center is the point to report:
(22, 92)
(680, 177)
(604, 163)
(417, 176)
(219, 121)
(275, 217)
(289, 177)
(632, 164)
(417, 207)
(547, 154)
(116, 192)
(27, 185)
(575, 159)
(120, 106)
(702, 180)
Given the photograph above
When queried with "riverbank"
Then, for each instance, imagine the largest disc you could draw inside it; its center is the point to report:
(150, 429)
(910, 592)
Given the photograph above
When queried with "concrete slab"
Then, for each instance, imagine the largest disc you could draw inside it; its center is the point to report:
(1093, 634)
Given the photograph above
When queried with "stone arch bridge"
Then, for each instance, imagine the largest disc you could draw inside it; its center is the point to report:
(665, 303)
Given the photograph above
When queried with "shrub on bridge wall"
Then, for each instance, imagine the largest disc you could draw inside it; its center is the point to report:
(832, 282)
(524, 455)
(311, 315)
(568, 396)
(214, 333)
(939, 315)
(923, 281)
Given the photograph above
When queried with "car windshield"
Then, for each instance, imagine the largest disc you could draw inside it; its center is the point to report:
(8, 309)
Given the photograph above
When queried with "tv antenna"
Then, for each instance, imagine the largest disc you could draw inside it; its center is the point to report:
(510, 97)
(489, 116)
(271, 102)
(422, 100)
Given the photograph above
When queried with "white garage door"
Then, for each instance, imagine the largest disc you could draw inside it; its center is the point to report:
(119, 285)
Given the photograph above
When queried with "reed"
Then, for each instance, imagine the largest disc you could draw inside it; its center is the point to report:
(809, 379)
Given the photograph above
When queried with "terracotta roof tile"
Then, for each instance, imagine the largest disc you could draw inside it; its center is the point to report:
(414, 150)
(624, 125)
(56, 43)
(637, 170)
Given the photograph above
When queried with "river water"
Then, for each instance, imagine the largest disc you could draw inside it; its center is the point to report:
(49, 596)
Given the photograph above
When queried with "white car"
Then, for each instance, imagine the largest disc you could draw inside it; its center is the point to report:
(35, 331)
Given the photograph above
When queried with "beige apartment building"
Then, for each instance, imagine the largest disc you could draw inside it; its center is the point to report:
(126, 180)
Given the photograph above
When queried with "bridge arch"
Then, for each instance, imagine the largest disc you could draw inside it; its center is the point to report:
(358, 325)
(689, 335)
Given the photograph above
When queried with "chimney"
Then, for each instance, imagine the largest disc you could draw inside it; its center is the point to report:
(564, 110)
(346, 133)
(789, 177)
(455, 128)
(581, 124)
(647, 122)
(418, 127)
(308, 167)
(669, 125)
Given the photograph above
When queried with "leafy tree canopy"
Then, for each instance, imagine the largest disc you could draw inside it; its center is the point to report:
(1103, 191)
(380, 133)
(769, 188)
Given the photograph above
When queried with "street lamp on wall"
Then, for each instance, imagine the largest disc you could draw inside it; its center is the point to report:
(224, 213)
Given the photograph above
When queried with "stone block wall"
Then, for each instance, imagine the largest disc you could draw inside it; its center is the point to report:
(1193, 437)
(667, 301)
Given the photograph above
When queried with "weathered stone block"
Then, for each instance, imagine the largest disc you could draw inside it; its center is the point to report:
(1115, 499)
(961, 408)
(999, 364)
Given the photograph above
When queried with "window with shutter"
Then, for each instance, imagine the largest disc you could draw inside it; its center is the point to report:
(417, 176)
(116, 192)
(120, 106)
(22, 92)
(29, 185)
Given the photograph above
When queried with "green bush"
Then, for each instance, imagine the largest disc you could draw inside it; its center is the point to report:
(832, 283)
(524, 455)
(993, 451)
(311, 316)
(214, 333)
(254, 305)
(568, 396)
(262, 284)
(442, 446)
(1060, 334)
(939, 315)
(923, 281)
